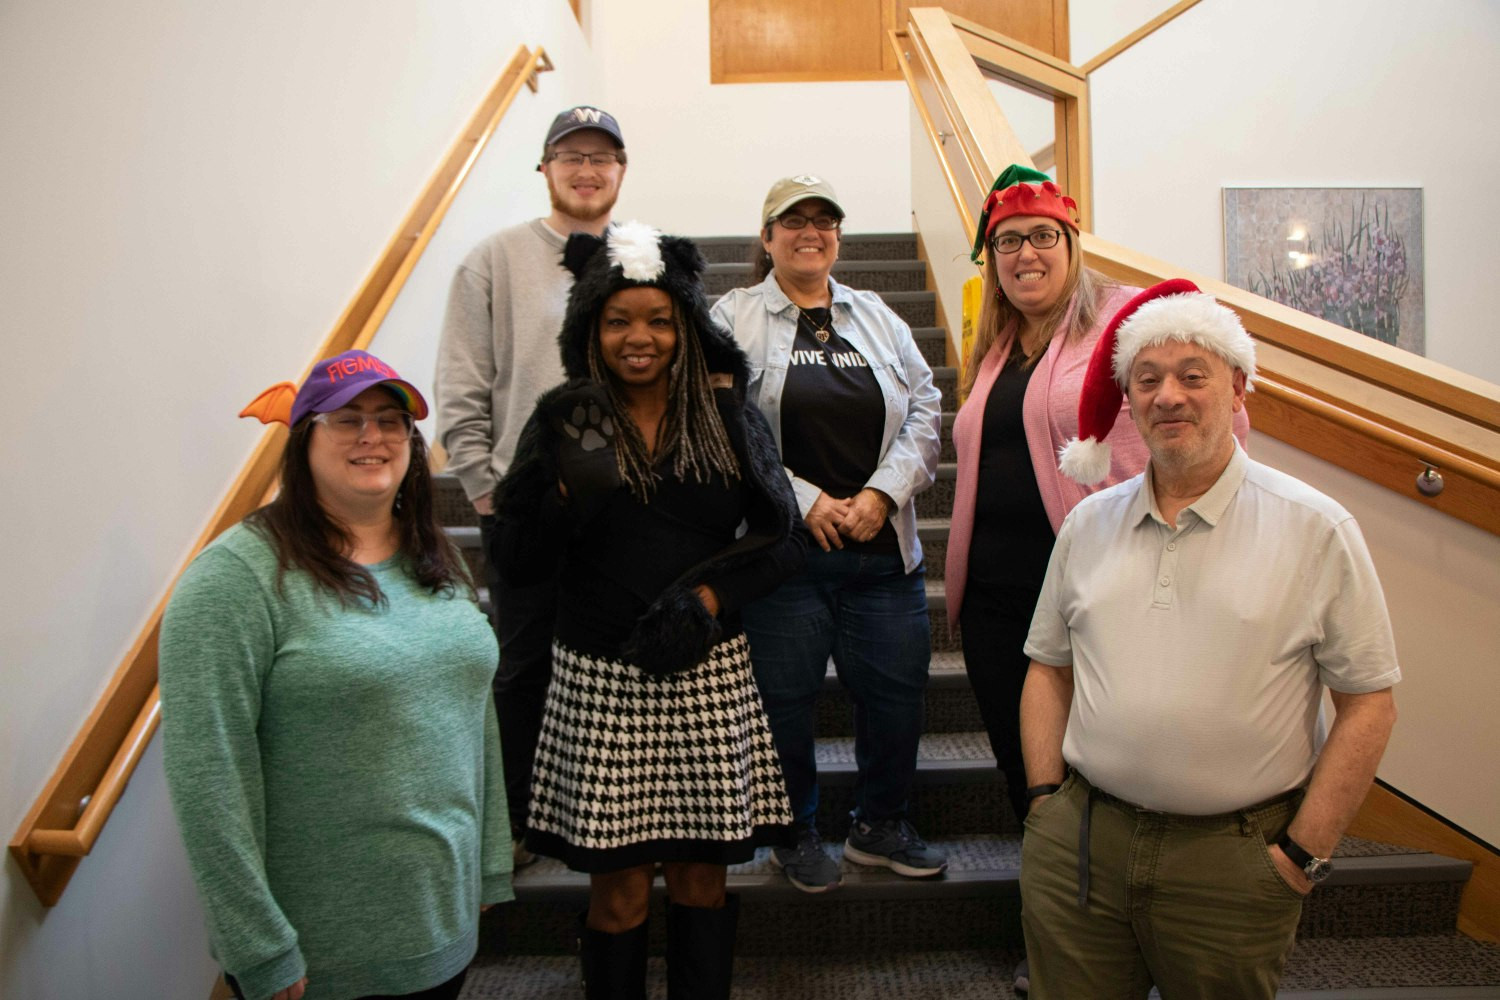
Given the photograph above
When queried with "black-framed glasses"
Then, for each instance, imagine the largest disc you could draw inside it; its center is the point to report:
(1042, 239)
(348, 426)
(571, 159)
(822, 222)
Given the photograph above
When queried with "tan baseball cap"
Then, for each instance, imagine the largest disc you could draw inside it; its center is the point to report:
(789, 190)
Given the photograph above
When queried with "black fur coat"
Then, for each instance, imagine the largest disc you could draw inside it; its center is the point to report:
(534, 525)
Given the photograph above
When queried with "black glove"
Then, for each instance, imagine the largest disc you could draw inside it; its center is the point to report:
(584, 420)
(675, 634)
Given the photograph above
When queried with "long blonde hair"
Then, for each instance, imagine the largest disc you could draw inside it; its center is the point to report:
(1074, 314)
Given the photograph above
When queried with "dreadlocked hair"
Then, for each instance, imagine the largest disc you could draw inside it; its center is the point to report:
(691, 432)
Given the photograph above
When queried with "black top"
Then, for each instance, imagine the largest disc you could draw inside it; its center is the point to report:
(1012, 538)
(625, 557)
(833, 417)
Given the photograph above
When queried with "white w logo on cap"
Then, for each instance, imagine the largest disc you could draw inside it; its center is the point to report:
(591, 115)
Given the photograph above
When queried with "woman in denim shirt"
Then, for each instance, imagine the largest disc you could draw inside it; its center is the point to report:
(855, 413)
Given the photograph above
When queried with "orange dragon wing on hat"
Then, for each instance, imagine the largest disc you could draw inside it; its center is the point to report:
(274, 406)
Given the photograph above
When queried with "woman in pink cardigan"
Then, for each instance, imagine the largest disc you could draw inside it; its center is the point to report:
(1043, 312)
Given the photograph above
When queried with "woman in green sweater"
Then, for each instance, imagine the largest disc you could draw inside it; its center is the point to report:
(329, 735)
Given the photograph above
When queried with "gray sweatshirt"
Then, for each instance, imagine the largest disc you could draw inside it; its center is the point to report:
(498, 351)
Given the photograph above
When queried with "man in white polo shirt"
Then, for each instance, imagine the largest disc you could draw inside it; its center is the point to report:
(1189, 623)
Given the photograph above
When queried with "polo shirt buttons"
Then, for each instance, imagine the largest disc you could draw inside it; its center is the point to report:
(1166, 581)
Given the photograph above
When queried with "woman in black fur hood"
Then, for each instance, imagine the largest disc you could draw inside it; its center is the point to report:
(655, 494)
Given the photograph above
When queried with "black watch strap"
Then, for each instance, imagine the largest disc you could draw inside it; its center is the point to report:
(1037, 791)
(1294, 851)
(1315, 868)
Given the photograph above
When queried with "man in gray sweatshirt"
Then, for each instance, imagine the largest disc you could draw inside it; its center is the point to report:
(497, 354)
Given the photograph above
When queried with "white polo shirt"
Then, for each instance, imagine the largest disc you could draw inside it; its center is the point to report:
(1199, 654)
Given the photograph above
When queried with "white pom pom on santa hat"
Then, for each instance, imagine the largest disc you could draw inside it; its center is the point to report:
(1171, 310)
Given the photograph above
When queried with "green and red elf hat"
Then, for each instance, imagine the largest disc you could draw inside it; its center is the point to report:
(1171, 310)
(1022, 191)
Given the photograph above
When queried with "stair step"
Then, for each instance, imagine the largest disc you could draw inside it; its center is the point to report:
(932, 341)
(852, 247)
(1424, 967)
(975, 903)
(872, 275)
(916, 309)
(937, 500)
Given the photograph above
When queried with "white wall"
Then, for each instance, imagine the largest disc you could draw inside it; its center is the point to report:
(192, 192)
(702, 157)
(1095, 25)
(1329, 94)
(1442, 585)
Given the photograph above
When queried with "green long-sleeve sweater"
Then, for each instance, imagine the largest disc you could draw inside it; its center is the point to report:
(335, 772)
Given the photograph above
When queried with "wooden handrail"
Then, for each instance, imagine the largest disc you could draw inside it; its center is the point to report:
(66, 819)
(1428, 454)
(1368, 407)
(1135, 36)
(941, 38)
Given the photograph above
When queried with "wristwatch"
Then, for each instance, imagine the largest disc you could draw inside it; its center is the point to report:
(1316, 869)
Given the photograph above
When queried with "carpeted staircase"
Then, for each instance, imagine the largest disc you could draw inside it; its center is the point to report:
(1381, 927)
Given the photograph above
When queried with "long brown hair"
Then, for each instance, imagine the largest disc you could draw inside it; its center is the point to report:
(1074, 314)
(307, 538)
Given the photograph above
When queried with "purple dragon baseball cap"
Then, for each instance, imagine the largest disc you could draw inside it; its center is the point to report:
(336, 380)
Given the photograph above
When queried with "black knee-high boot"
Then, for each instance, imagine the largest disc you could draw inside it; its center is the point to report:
(700, 950)
(614, 965)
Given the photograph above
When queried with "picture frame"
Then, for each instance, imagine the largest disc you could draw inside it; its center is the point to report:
(1352, 256)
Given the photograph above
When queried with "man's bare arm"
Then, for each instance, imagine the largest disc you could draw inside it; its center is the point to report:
(1342, 776)
(1046, 700)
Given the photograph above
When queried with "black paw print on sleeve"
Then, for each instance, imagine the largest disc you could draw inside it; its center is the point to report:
(590, 426)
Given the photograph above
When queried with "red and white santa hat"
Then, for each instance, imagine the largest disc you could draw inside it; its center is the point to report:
(1172, 310)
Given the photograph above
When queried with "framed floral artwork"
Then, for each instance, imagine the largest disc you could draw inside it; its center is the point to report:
(1352, 256)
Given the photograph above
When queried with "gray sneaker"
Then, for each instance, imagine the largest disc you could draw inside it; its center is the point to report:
(520, 856)
(894, 844)
(806, 865)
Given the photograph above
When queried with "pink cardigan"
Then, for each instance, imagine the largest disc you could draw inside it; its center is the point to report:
(1049, 414)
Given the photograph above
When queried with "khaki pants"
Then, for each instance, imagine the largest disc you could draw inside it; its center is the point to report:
(1192, 904)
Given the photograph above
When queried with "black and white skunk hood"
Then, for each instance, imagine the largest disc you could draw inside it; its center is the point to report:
(632, 255)
(532, 522)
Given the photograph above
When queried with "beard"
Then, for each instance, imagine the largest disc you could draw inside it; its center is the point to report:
(584, 211)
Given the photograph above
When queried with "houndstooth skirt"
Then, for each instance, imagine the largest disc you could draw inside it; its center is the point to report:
(633, 769)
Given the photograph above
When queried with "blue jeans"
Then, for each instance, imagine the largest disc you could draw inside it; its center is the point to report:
(870, 616)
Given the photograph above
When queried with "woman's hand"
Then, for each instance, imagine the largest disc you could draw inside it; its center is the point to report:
(708, 597)
(823, 520)
(292, 992)
(867, 511)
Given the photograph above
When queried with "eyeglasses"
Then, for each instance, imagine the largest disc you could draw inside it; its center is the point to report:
(822, 222)
(569, 159)
(1042, 239)
(348, 426)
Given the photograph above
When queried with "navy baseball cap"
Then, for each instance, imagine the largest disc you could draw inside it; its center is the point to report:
(582, 117)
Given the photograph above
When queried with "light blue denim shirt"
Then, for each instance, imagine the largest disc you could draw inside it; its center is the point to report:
(764, 322)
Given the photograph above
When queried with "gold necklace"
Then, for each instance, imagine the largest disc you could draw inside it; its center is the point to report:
(821, 332)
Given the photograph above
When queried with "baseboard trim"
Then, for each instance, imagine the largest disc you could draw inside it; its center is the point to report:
(1390, 815)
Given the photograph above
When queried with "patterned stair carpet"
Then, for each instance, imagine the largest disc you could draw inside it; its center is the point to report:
(1427, 967)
